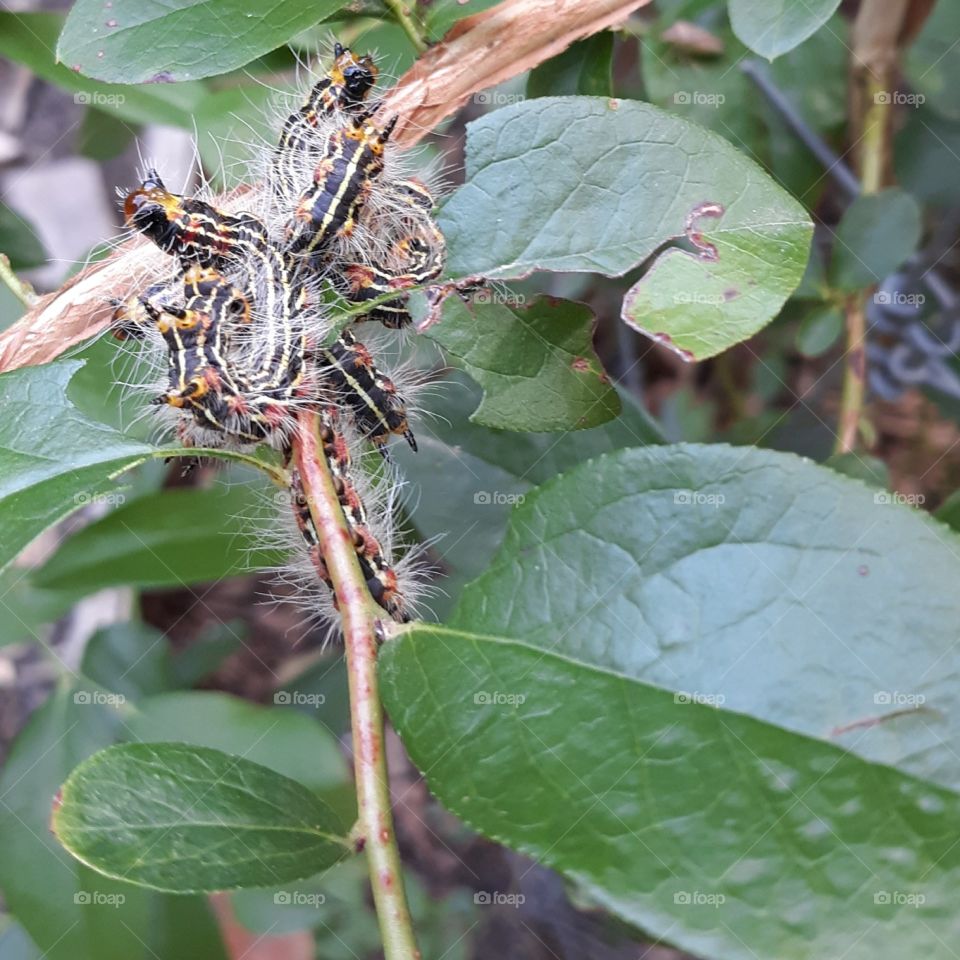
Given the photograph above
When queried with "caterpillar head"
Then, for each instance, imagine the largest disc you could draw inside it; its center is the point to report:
(356, 75)
(153, 211)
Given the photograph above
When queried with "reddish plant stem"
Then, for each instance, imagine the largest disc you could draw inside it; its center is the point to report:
(359, 616)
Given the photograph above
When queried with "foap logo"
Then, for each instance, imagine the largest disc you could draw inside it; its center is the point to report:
(897, 698)
(498, 698)
(495, 98)
(899, 898)
(885, 498)
(105, 499)
(98, 698)
(697, 498)
(698, 898)
(896, 298)
(899, 98)
(298, 898)
(86, 99)
(96, 898)
(297, 698)
(506, 298)
(704, 699)
(488, 898)
(698, 98)
(707, 299)
(497, 498)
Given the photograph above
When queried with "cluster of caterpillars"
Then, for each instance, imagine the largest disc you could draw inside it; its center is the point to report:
(241, 319)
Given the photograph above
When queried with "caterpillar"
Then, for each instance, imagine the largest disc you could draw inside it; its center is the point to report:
(241, 319)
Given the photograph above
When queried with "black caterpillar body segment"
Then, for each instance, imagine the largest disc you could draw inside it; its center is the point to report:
(342, 180)
(417, 257)
(344, 88)
(371, 397)
(204, 379)
(193, 231)
(380, 576)
(241, 316)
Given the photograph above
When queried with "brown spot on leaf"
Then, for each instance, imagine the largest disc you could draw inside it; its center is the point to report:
(730, 294)
(709, 208)
(863, 570)
(580, 364)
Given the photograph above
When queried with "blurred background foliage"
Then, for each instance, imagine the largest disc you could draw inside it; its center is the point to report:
(145, 594)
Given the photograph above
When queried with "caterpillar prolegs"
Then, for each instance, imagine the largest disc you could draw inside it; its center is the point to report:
(240, 315)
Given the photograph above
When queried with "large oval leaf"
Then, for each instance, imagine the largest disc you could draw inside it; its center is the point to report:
(141, 41)
(188, 819)
(592, 184)
(573, 709)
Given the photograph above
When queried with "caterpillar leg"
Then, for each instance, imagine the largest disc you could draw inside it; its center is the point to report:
(380, 576)
(418, 256)
(372, 399)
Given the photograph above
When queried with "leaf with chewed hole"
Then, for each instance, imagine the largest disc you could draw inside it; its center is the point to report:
(600, 185)
(191, 819)
(535, 362)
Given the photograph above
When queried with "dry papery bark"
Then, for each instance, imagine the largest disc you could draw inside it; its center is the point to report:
(478, 52)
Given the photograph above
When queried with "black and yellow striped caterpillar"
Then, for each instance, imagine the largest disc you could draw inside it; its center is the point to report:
(242, 318)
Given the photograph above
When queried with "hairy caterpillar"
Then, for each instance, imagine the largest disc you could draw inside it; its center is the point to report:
(241, 318)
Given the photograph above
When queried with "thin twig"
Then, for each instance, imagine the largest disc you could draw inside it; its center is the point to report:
(359, 615)
(401, 14)
(873, 72)
(22, 291)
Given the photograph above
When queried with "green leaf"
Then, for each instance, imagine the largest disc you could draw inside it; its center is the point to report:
(140, 41)
(871, 470)
(708, 829)
(132, 659)
(584, 67)
(30, 38)
(55, 459)
(19, 241)
(182, 927)
(925, 152)
(173, 537)
(772, 27)
(211, 648)
(528, 205)
(681, 580)
(819, 330)
(949, 511)
(103, 136)
(535, 362)
(932, 63)
(877, 233)
(286, 741)
(467, 477)
(190, 819)
(70, 912)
